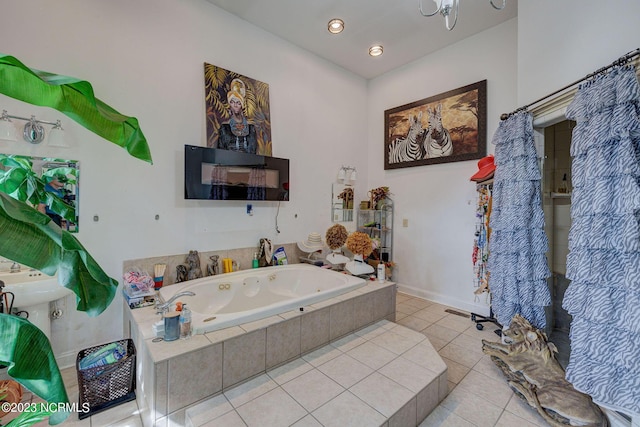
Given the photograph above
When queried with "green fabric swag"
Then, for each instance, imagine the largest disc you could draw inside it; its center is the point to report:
(74, 98)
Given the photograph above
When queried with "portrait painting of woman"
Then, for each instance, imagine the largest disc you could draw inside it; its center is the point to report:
(237, 112)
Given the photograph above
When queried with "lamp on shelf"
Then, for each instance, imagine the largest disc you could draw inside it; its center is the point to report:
(346, 173)
(446, 7)
(32, 131)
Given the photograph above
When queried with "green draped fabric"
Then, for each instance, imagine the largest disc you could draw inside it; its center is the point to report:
(27, 352)
(74, 98)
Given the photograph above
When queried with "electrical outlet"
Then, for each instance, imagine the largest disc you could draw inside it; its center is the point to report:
(405, 222)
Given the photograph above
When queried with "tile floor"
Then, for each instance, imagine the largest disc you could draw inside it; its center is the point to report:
(478, 394)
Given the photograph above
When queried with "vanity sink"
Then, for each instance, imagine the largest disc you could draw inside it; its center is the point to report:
(32, 287)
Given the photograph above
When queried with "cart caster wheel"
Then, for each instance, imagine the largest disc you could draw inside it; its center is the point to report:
(473, 317)
(479, 326)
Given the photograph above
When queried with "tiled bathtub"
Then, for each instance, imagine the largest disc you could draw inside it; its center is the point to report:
(171, 376)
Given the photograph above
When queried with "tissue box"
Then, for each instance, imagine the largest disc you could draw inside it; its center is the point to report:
(138, 299)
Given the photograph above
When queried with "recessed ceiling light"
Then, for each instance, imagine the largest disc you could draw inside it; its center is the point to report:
(335, 26)
(375, 50)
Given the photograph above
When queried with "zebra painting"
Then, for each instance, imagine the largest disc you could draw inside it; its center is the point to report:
(437, 142)
(411, 147)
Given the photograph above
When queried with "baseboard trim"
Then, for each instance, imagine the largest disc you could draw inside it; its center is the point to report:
(66, 359)
(445, 300)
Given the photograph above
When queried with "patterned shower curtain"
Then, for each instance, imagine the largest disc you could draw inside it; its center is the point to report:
(517, 263)
(604, 240)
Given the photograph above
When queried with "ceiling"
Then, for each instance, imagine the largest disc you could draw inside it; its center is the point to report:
(395, 24)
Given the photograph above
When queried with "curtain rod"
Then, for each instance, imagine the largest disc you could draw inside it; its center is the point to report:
(620, 61)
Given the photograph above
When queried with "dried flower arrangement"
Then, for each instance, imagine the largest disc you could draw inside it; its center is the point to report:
(378, 194)
(346, 194)
(336, 236)
(360, 243)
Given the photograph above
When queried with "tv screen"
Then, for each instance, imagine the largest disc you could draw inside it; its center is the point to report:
(216, 174)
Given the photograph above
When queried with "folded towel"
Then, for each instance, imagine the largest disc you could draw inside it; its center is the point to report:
(106, 355)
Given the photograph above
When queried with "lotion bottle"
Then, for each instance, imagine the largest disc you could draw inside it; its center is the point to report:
(381, 272)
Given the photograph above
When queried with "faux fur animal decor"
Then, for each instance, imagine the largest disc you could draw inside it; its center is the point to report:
(533, 372)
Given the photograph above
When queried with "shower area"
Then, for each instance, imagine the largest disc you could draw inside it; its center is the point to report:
(556, 190)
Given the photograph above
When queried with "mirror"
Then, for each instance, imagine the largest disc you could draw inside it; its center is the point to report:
(46, 183)
(342, 200)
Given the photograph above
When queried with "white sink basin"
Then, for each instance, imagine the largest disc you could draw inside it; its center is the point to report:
(31, 287)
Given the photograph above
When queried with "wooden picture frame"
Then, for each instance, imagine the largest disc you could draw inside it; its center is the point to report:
(449, 127)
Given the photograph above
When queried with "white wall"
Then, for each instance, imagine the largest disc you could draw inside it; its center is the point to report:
(145, 58)
(434, 252)
(560, 42)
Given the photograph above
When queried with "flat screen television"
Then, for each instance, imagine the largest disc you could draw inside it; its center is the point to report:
(216, 174)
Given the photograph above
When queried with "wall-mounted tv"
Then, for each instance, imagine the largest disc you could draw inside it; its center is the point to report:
(216, 174)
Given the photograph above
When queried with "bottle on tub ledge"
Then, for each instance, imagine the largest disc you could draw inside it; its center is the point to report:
(381, 272)
(185, 322)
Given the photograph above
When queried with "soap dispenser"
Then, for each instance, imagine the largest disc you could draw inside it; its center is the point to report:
(255, 263)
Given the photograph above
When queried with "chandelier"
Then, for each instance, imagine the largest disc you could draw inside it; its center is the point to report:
(446, 7)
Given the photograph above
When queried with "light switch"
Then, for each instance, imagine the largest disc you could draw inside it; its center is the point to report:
(405, 222)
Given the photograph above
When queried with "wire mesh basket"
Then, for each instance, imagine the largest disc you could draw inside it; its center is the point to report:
(103, 387)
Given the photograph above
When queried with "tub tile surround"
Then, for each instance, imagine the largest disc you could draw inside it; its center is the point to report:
(226, 358)
(243, 256)
(329, 387)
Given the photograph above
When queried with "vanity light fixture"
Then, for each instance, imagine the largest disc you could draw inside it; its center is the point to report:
(375, 50)
(446, 7)
(33, 131)
(346, 174)
(335, 26)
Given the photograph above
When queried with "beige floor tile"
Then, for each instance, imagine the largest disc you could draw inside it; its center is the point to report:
(507, 419)
(347, 343)
(414, 323)
(455, 322)
(462, 355)
(455, 371)
(395, 342)
(441, 332)
(273, 409)
(252, 389)
(429, 315)
(307, 421)
(470, 341)
(400, 316)
(347, 410)
(112, 415)
(408, 374)
(425, 355)
(289, 371)
(345, 370)
(472, 407)
(418, 303)
(134, 421)
(487, 367)
(443, 417)
(322, 355)
(372, 355)
(400, 297)
(208, 410)
(521, 409)
(406, 308)
(230, 419)
(374, 330)
(382, 394)
(437, 343)
(495, 391)
(313, 389)
(438, 308)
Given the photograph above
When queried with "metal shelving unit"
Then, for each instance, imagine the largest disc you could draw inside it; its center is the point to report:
(378, 223)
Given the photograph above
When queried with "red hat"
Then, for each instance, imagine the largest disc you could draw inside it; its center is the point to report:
(486, 168)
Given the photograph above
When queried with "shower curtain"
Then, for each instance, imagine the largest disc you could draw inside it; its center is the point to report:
(517, 265)
(604, 241)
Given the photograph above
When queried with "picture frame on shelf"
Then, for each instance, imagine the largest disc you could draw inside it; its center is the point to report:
(448, 127)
